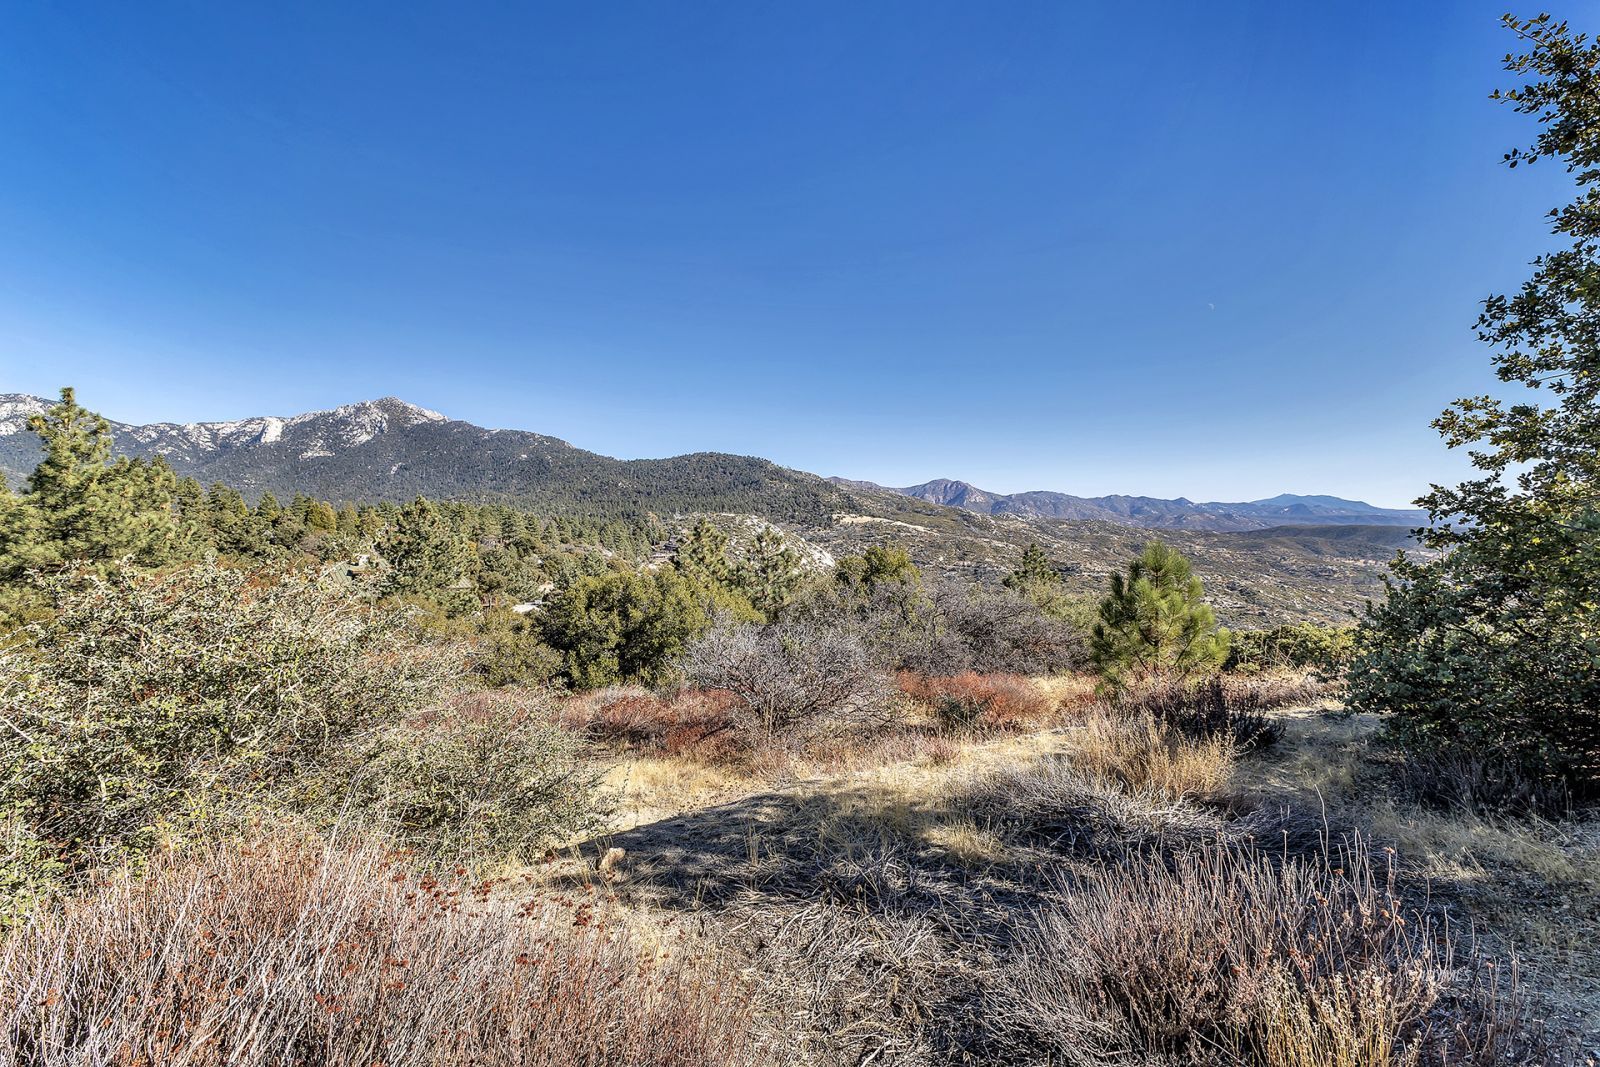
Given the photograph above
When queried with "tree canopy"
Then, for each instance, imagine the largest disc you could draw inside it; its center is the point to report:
(1494, 646)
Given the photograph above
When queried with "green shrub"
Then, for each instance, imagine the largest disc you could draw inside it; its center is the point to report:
(622, 626)
(483, 777)
(154, 707)
(1299, 645)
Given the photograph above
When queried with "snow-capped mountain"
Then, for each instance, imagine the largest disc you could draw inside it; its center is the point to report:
(390, 450)
(319, 433)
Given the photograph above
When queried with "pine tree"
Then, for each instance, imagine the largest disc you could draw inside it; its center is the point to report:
(1035, 569)
(427, 557)
(772, 573)
(703, 555)
(1155, 622)
(84, 505)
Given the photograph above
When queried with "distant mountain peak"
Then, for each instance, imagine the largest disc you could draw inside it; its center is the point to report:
(390, 407)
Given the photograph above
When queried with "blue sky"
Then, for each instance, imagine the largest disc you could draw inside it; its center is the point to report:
(1219, 251)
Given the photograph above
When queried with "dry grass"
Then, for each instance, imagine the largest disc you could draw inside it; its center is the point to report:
(286, 953)
(1228, 955)
(1071, 693)
(1143, 754)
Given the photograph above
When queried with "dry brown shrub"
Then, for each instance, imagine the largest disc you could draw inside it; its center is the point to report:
(970, 700)
(292, 953)
(1229, 955)
(1235, 705)
(692, 723)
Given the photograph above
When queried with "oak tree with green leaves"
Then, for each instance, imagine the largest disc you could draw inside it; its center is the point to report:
(1492, 648)
(1155, 621)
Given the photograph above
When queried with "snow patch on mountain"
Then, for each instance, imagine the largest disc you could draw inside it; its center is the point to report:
(16, 409)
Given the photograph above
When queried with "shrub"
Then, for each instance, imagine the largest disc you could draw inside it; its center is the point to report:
(154, 706)
(512, 651)
(620, 626)
(1300, 646)
(689, 722)
(1002, 631)
(1219, 706)
(790, 673)
(292, 953)
(978, 701)
(481, 778)
(1229, 955)
(1457, 780)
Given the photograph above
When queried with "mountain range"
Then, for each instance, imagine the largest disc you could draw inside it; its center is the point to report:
(389, 449)
(1264, 562)
(1286, 509)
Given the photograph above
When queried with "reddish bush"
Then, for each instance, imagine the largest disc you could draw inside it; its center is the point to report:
(295, 953)
(970, 700)
(692, 722)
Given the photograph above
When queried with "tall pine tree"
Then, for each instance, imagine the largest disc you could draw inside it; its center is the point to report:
(83, 505)
(427, 558)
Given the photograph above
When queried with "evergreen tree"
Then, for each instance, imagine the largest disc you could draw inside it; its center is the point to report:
(1155, 621)
(427, 557)
(84, 505)
(268, 509)
(234, 529)
(624, 626)
(1493, 646)
(1034, 570)
(702, 559)
(772, 573)
(321, 517)
(703, 555)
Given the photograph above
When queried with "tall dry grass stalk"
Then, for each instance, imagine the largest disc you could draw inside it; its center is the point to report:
(1141, 754)
(1230, 955)
(289, 953)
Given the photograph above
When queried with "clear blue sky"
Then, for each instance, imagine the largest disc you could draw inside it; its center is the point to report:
(1212, 250)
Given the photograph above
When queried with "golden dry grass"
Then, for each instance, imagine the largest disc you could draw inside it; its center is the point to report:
(1141, 754)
